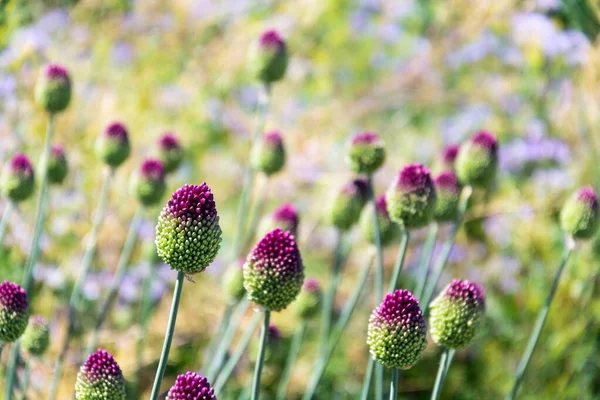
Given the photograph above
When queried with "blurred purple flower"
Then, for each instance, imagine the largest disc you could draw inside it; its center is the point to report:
(49, 275)
(130, 288)
(122, 53)
(8, 86)
(486, 44)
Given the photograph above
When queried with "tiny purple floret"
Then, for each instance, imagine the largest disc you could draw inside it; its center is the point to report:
(55, 71)
(21, 164)
(414, 177)
(195, 202)
(448, 182)
(465, 291)
(191, 386)
(278, 252)
(117, 131)
(168, 141)
(399, 308)
(486, 140)
(287, 213)
(588, 195)
(152, 169)
(365, 138)
(271, 38)
(100, 365)
(13, 297)
(311, 285)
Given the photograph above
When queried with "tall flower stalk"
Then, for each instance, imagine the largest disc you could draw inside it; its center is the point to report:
(264, 334)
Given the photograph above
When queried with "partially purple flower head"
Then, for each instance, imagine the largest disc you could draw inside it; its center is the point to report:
(191, 386)
(148, 183)
(588, 196)
(20, 164)
(449, 155)
(100, 377)
(36, 338)
(477, 160)
(486, 140)
(271, 39)
(168, 141)
(311, 285)
(580, 216)
(367, 153)
(152, 169)
(14, 311)
(58, 167)
(170, 152)
(285, 217)
(55, 71)
(17, 181)
(308, 303)
(117, 131)
(269, 155)
(366, 138)
(448, 197)
(112, 146)
(411, 198)
(53, 88)
(348, 204)
(268, 57)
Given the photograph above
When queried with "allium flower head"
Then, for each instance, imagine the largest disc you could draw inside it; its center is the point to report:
(188, 235)
(269, 155)
(36, 338)
(170, 152)
(58, 166)
(411, 198)
(273, 272)
(448, 197)
(308, 302)
(348, 203)
(456, 314)
(268, 57)
(397, 335)
(285, 217)
(191, 386)
(233, 283)
(388, 230)
(112, 146)
(580, 215)
(148, 182)
(477, 160)
(367, 153)
(100, 378)
(17, 181)
(14, 311)
(53, 88)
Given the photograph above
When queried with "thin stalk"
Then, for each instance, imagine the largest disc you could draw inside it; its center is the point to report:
(426, 254)
(162, 364)
(328, 300)
(364, 394)
(441, 374)
(260, 358)
(214, 341)
(337, 332)
(26, 378)
(8, 210)
(237, 354)
(291, 359)
(539, 325)
(124, 260)
(394, 384)
(399, 262)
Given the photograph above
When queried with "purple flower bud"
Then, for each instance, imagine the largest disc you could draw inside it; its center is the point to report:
(170, 152)
(388, 230)
(367, 153)
(411, 198)
(308, 303)
(348, 204)
(53, 88)
(57, 165)
(285, 217)
(112, 146)
(191, 386)
(477, 160)
(268, 57)
(14, 311)
(100, 377)
(17, 181)
(448, 197)
(580, 216)
(269, 155)
(449, 156)
(36, 338)
(148, 183)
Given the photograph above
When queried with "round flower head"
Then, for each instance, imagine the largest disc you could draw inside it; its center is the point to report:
(269, 156)
(388, 230)
(579, 216)
(397, 335)
(53, 88)
(449, 156)
(285, 217)
(348, 203)
(57, 165)
(36, 338)
(170, 152)
(14, 311)
(188, 235)
(456, 314)
(367, 153)
(448, 197)
(100, 378)
(148, 182)
(233, 283)
(191, 386)
(477, 160)
(268, 57)
(308, 303)
(112, 146)
(17, 180)
(411, 198)
(273, 272)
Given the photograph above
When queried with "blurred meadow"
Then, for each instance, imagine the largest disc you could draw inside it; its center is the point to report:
(421, 74)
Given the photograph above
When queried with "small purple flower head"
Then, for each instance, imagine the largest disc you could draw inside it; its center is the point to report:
(269, 155)
(100, 377)
(580, 216)
(36, 338)
(233, 283)
(191, 386)
(367, 153)
(268, 57)
(397, 335)
(273, 272)
(285, 217)
(388, 230)
(448, 197)
(411, 198)
(58, 166)
(17, 181)
(308, 302)
(477, 160)
(148, 182)
(170, 152)
(14, 311)
(455, 315)
(53, 89)
(449, 156)
(348, 203)
(188, 235)
(112, 146)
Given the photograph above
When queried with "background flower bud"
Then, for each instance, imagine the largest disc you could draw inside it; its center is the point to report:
(17, 181)
(170, 152)
(367, 153)
(411, 198)
(53, 88)
(579, 216)
(285, 217)
(58, 168)
(233, 283)
(36, 338)
(348, 203)
(14, 311)
(112, 146)
(269, 155)
(388, 230)
(477, 160)
(268, 57)
(308, 302)
(448, 197)
(148, 182)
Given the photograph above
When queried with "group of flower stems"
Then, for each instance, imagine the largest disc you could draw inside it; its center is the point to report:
(188, 238)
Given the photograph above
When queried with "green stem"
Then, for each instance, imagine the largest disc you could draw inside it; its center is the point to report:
(441, 375)
(426, 254)
(337, 332)
(8, 210)
(26, 379)
(364, 394)
(237, 354)
(539, 325)
(214, 341)
(291, 359)
(260, 358)
(328, 300)
(399, 262)
(394, 385)
(162, 364)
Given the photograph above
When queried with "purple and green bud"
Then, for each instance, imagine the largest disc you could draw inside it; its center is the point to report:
(477, 160)
(112, 146)
(285, 218)
(233, 283)
(273, 272)
(170, 152)
(148, 182)
(53, 89)
(411, 198)
(100, 378)
(367, 153)
(449, 156)
(17, 181)
(14, 311)
(397, 335)
(36, 338)
(579, 216)
(308, 302)
(448, 191)
(388, 230)
(455, 315)
(269, 155)
(348, 204)
(188, 235)
(268, 57)
(191, 386)
(58, 166)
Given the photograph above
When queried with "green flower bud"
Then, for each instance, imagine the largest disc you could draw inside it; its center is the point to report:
(268, 57)
(14, 311)
(477, 160)
(367, 153)
(448, 197)
(348, 203)
(36, 338)
(170, 151)
(308, 302)
(269, 157)
(579, 216)
(148, 183)
(58, 168)
(233, 283)
(412, 197)
(17, 180)
(53, 89)
(112, 146)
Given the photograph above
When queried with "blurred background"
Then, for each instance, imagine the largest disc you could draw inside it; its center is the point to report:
(422, 74)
